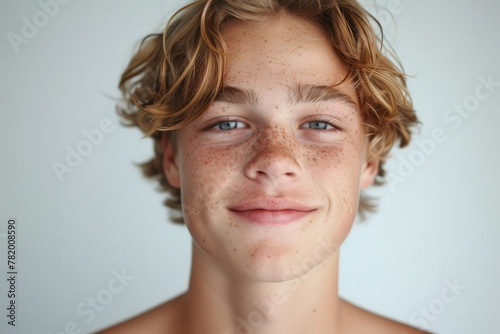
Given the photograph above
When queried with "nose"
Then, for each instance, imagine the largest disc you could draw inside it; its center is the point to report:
(273, 157)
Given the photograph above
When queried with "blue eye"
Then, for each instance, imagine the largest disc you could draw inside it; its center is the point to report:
(228, 125)
(319, 125)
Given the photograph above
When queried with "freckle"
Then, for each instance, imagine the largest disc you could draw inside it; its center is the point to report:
(314, 310)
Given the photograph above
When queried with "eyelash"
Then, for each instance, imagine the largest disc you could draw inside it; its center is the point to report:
(219, 121)
(328, 121)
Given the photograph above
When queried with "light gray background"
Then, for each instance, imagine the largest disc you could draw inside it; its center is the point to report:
(440, 225)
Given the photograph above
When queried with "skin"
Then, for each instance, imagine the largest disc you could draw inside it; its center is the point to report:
(252, 271)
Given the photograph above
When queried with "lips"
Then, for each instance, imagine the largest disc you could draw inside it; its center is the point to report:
(271, 211)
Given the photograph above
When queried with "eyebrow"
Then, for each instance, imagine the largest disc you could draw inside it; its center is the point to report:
(307, 93)
(299, 93)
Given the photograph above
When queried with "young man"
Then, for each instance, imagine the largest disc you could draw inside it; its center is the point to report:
(269, 118)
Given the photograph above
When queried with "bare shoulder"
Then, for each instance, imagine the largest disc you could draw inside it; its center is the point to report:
(163, 318)
(359, 321)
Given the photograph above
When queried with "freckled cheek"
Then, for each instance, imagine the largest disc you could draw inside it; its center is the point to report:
(204, 174)
(336, 172)
(342, 159)
(207, 176)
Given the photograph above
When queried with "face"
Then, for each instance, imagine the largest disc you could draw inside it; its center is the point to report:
(270, 174)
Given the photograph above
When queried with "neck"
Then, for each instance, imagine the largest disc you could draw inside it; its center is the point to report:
(222, 302)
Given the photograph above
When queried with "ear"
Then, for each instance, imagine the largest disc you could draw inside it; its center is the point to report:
(170, 167)
(369, 172)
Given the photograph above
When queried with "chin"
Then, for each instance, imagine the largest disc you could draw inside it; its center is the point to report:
(277, 263)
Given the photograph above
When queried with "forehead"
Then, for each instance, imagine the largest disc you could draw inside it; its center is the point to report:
(286, 46)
